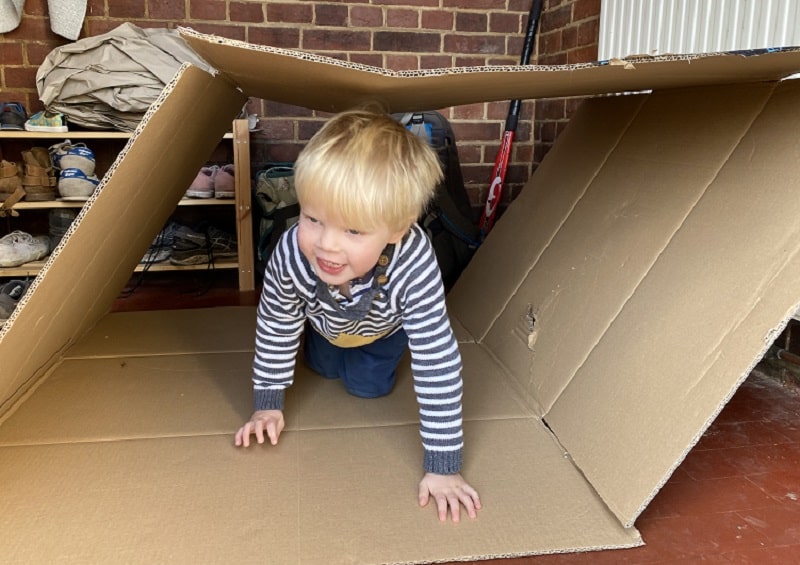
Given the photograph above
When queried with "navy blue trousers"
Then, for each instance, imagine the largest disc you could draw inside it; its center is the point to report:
(367, 371)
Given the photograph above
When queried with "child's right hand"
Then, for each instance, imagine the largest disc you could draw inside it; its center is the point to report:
(270, 421)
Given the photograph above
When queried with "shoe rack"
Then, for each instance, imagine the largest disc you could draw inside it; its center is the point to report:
(106, 145)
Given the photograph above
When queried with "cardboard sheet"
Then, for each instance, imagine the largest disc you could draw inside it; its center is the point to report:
(143, 452)
(612, 312)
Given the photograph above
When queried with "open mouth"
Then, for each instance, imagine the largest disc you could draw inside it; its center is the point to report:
(330, 267)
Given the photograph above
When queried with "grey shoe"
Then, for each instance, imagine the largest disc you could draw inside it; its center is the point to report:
(19, 247)
(196, 247)
(10, 295)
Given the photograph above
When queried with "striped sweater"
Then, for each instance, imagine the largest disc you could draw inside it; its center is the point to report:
(413, 298)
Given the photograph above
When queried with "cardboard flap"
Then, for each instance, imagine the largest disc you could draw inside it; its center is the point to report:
(135, 198)
(675, 287)
(324, 83)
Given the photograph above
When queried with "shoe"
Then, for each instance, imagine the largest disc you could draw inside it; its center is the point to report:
(53, 122)
(10, 177)
(203, 184)
(10, 295)
(161, 248)
(39, 178)
(19, 247)
(12, 116)
(75, 185)
(66, 155)
(224, 182)
(60, 219)
(196, 247)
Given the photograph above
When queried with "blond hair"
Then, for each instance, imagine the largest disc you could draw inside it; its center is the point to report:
(366, 169)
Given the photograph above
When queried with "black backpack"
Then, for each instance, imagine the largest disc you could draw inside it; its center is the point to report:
(450, 221)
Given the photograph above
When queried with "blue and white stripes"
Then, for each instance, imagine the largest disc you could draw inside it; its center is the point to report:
(413, 298)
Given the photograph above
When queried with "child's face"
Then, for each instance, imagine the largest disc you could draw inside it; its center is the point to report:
(337, 253)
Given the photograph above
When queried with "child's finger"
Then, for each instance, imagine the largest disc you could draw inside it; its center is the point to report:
(272, 432)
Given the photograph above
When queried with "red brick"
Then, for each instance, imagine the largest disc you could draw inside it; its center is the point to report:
(469, 112)
(550, 43)
(437, 19)
(290, 13)
(288, 38)
(435, 62)
(422, 3)
(472, 22)
(402, 62)
(345, 40)
(583, 54)
(477, 131)
(246, 12)
(36, 51)
(19, 77)
(402, 18)
(167, 9)
(96, 8)
(569, 38)
(371, 59)
(470, 61)
(229, 31)
(585, 9)
(555, 19)
(35, 8)
(475, 4)
(285, 110)
(483, 44)
(588, 33)
(127, 9)
(330, 15)
(505, 23)
(10, 53)
(406, 41)
(208, 9)
(366, 16)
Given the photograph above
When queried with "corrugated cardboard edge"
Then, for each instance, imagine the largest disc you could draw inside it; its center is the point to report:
(98, 254)
(328, 84)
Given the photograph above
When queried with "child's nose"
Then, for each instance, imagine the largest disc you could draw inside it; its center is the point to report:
(328, 239)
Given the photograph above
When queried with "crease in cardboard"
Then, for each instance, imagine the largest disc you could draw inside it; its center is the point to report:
(552, 298)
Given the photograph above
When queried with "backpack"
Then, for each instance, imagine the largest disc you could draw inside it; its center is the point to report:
(276, 208)
(449, 220)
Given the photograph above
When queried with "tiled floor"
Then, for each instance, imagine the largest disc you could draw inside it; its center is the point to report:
(734, 499)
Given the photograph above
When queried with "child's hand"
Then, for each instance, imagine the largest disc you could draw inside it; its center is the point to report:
(261, 420)
(449, 490)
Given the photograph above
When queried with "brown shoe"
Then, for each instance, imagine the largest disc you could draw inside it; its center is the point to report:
(39, 180)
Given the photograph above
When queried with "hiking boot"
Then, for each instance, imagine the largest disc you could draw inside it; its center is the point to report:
(10, 295)
(68, 155)
(224, 182)
(19, 247)
(39, 178)
(203, 184)
(12, 116)
(47, 121)
(74, 184)
(198, 247)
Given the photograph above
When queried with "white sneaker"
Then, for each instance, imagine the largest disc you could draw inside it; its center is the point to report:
(18, 248)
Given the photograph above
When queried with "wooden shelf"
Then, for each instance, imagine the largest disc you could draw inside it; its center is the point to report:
(74, 135)
(32, 269)
(240, 139)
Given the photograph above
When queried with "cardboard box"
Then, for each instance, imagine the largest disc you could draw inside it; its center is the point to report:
(613, 311)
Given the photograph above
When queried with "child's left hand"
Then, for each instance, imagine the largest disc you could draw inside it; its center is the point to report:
(449, 491)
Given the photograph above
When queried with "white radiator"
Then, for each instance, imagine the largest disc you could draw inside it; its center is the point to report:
(657, 27)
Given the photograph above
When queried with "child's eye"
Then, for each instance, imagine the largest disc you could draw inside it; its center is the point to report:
(312, 219)
(354, 232)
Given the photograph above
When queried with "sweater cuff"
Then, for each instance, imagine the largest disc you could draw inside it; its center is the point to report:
(442, 462)
(269, 399)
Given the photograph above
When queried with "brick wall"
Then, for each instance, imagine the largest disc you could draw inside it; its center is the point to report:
(386, 33)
